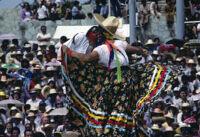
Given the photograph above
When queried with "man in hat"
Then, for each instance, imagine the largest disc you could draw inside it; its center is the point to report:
(185, 113)
(34, 100)
(17, 123)
(51, 99)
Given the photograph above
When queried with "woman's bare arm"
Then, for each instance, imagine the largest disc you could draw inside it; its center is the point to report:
(82, 57)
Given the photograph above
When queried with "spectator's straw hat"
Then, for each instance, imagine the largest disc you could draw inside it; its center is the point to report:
(13, 108)
(27, 46)
(31, 114)
(185, 105)
(173, 107)
(52, 42)
(11, 45)
(34, 62)
(70, 134)
(158, 118)
(197, 91)
(149, 42)
(155, 52)
(45, 91)
(17, 116)
(39, 53)
(48, 109)
(17, 88)
(169, 129)
(191, 61)
(47, 127)
(42, 44)
(37, 87)
(178, 59)
(155, 127)
(177, 135)
(110, 24)
(33, 109)
(170, 116)
(50, 68)
(19, 53)
(3, 78)
(1, 54)
(52, 91)
(2, 94)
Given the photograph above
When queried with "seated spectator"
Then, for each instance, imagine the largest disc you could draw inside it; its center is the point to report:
(75, 11)
(26, 13)
(155, 9)
(66, 12)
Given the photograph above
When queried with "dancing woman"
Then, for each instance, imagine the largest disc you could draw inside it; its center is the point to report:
(103, 88)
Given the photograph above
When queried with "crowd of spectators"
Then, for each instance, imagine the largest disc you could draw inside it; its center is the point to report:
(31, 74)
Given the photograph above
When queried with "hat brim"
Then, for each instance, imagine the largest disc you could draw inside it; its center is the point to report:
(99, 19)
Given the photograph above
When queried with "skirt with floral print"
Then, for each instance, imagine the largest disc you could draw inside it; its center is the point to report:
(105, 107)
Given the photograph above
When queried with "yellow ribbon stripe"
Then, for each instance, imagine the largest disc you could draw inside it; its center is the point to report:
(99, 117)
(154, 85)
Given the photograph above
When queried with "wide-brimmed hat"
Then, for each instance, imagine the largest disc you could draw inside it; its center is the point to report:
(47, 126)
(32, 109)
(17, 116)
(185, 105)
(149, 42)
(52, 42)
(169, 129)
(109, 24)
(191, 61)
(52, 91)
(27, 46)
(48, 109)
(170, 116)
(39, 53)
(13, 108)
(37, 87)
(2, 94)
(45, 91)
(159, 118)
(174, 107)
(31, 114)
(155, 127)
(43, 44)
(155, 52)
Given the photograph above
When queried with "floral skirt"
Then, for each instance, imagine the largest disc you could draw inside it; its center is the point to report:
(105, 107)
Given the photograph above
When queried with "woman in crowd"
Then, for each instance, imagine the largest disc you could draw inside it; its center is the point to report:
(26, 13)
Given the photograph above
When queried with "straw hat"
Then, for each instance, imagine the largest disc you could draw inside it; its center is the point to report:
(13, 108)
(52, 91)
(70, 134)
(17, 116)
(31, 114)
(191, 61)
(1, 54)
(155, 127)
(169, 115)
(47, 126)
(33, 108)
(159, 118)
(110, 24)
(185, 105)
(17, 88)
(174, 107)
(197, 91)
(169, 129)
(50, 69)
(178, 59)
(155, 52)
(2, 94)
(149, 42)
(11, 45)
(42, 44)
(3, 78)
(27, 46)
(19, 53)
(37, 87)
(45, 91)
(52, 42)
(48, 109)
(39, 53)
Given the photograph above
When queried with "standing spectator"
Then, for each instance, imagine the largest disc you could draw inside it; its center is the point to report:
(34, 100)
(43, 36)
(155, 9)
(144, 13)
(8, 130)
(16, 132)
(42, 11)
(97, 8)
(26, 13)
(18, 123)
(104, 9)
(54, 12)
(75, 10)
(169, 13)
(116, 8)
(198, 30)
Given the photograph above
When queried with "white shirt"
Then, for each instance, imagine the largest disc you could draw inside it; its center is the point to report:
(42, 12)
(47, 35)
(104, 54)
(80, 45)
(35, 103)
(74, 11)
